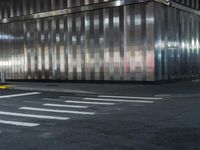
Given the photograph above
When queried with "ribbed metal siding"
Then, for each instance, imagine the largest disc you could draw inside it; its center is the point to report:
(13, 8)
(106, 44)
(138, 42)
(195, 4)
(176, 43)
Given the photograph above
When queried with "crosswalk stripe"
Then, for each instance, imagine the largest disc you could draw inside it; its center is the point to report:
(17, 123)
(18, 95)
(130, 97)
(57, 111)
(70, 106)
(33, 116)
(118, 100)
(163, 95)
(87, 102)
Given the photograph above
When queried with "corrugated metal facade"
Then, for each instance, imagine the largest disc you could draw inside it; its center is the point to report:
(177, 43)
(195, 4)
(13, 8)
(136, 42)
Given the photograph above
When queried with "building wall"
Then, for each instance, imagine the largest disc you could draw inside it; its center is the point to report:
(114, 43)
(195, 4)
(133, 42)
(15, 8)
(177, 38)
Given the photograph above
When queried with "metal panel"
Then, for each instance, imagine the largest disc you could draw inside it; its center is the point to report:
(105, 44)
(38, 48)
(182, 40)
(69, 43)
(62, 49)
(106, 59)
(77, 45)
(74, 47)
(50, 48)
(96, 45)
(137, 42)
(127, 53)
(66, 46)
(57, 47)
(150, 40)
(82, 46)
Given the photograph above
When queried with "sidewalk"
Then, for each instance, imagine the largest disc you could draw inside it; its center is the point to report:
(184, 87)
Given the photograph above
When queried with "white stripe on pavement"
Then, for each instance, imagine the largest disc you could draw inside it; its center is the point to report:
(128, 97)
(118, 100)
(163, 95)
(18, 95)
(33, 116)
(70, 106)
(17, 123)
(92, 103)
(57, 111)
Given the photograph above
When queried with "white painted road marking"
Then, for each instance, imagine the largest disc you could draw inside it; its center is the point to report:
(70, 106)
(128, 97)
(57, 111)
(33, 116)
(19, 95)
(118, 100)
(163, 95)
(17, 123)
(92, 103)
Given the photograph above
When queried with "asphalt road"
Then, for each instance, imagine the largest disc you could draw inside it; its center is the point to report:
(31, 120)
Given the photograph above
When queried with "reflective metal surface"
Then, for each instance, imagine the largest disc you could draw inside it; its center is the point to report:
(105, 44)
(35, 9)
(176, 43)
(186, 8)
(194, 4)
(142, 41)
